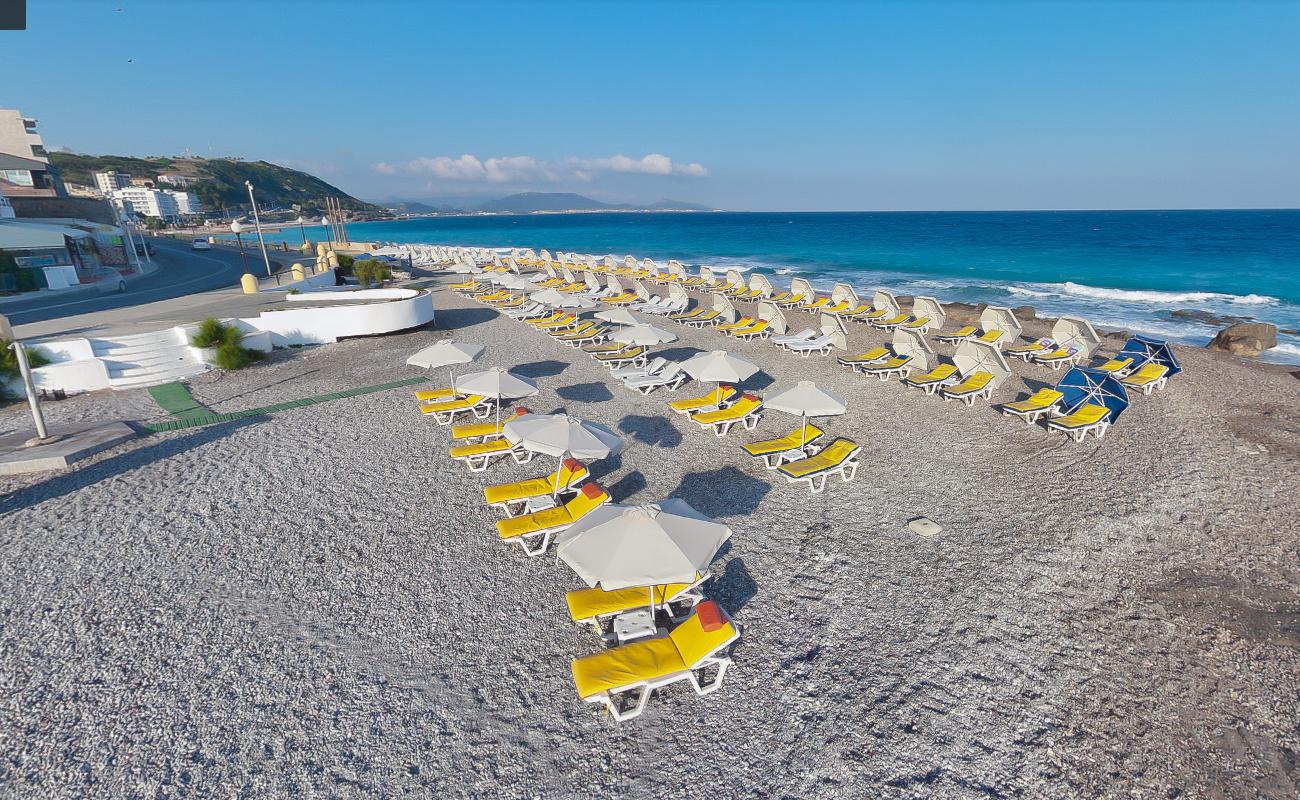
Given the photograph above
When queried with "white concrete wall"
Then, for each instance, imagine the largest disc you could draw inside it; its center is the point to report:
(329, 323)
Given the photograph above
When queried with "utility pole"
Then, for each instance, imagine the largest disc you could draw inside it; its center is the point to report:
(258, 224)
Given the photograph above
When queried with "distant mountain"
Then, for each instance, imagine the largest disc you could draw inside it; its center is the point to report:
(219, 182)
(526, 202)
(416, 207)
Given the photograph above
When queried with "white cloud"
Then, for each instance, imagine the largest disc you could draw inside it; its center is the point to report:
(526, 169)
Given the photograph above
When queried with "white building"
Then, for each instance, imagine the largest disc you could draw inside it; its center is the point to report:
(18, 136)
(109, 182)
(148, 202)
(186, 202)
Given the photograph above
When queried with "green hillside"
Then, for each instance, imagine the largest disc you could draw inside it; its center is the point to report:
(220, 180)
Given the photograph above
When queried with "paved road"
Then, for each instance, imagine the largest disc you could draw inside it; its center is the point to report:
(181, 271)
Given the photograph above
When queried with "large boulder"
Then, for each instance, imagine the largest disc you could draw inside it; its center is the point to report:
(962, 313)
(1245, 339)
(1025, 313)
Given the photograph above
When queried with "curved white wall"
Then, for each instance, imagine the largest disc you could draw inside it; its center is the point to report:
(329, 323)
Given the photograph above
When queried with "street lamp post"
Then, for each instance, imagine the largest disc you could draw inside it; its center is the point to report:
(325, 221)
(257, 223)
(237, 229)
(301, 229)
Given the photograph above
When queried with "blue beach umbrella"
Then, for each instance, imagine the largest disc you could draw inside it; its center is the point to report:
(1082, 386)
(1143, 351)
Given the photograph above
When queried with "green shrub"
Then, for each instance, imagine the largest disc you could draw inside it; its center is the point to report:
(234, 356)
(231, 355)
(9, 363)
(371, 271)
(213, 332)
(293, 290)
(345, 263)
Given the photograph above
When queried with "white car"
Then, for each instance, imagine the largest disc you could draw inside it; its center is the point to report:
(200, 244)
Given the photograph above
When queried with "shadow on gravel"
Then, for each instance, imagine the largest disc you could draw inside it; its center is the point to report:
(454, 318)
(585, 392)
(756, 382)
(724, 492)
(735, 587)
(655, 431)
(677, 353)
(113, 466)
(625, 487)
(540, 369)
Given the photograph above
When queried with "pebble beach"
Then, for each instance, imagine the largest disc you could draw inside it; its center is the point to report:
(315, 602)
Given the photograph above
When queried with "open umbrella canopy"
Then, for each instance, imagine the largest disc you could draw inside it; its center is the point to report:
(805, 399)
(929, 308)
(446, 353)
(556, 299)
(621, 546)
(497, 382)
(974, 356)
(910, 343)
(618, 316)
(643, 335)
(719, 366)
(1075, 333)
(1144, 351)
(1003, 319)
(560, 434)
(1089, 386)
(884, 301)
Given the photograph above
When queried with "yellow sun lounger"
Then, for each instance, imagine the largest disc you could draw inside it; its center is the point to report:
(1085, 418)
(430, 395)
(941, 375)
(623, 299)
(1150, 377)
(960, 335)
(1039, 404)
(898, 365)
(872, 356)
(688, 315)
(840, 457)
(513, 498)
(713, 400)
(446, 410)
(560, 332)
(816, 304)
(870, 315)
(464, 434)
(993, 336)
(756, 328)
(1119, 367)
(791, 447)
(743, 322)
(746, 411)
(594, 606)
(851, 312)
(695, 646)
(1058, 357)
(709, 317)
(634, 356)
(563, 321)
(526, 530)
(593, 335)
(478, 456)
(977, 384)
(548, 318)
(891, 323)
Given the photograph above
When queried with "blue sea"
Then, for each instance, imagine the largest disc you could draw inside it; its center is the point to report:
(1120, 269)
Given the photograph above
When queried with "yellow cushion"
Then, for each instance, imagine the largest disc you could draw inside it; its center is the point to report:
(832, 455)
(620, 354)
(1054, 355)
(1149, 373)
(480, 448)
(893, 363)
(626, 665)
(870, 355)
(590, 603)
(694, 643)
(470, 430)
(991, 336)
(1083, 416)
(736, 411)
(534, 487)
(710, 399)
(940, 373)
(452, 405)
(788, 442)
(1043, 398)
(877, 314)
(972, 384)
(1115, 364)
(570, 512)
(429, 395)
(965, 331)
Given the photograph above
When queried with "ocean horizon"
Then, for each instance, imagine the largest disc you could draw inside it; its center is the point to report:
(1179, 274)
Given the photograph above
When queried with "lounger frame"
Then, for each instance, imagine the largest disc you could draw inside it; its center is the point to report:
(611, 698)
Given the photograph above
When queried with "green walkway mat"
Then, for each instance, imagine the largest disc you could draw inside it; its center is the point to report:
(197, 414)
(175, 399)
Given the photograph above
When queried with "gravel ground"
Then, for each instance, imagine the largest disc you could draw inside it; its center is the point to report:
(314, 603)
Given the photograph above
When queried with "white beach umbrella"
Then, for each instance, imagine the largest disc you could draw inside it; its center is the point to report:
(447, 353)
(621, 546)
(806, 399)
(618, 316)
(498, 383)
(562, 435)
(974, 356)
(719, 367)
(556, 299)
(644, 335)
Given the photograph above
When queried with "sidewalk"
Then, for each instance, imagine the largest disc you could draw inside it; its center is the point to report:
(107, 285)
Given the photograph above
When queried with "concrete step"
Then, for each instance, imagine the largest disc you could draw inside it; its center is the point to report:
(137, 377)
(148, 355)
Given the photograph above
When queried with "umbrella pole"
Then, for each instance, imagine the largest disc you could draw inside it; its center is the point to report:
(451, 374)
(651, 591)
(803, 432)
(556, 493)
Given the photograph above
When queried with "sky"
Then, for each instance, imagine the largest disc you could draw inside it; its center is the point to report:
(742, 106)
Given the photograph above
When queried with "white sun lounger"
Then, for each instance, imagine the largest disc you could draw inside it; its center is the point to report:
(671, 377)
(623, 373)
(802, 336)
(822, 344)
